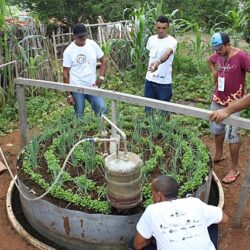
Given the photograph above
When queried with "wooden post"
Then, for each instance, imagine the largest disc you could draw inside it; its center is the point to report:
(22, 114)
(89, 30)
(54, 44)
(242, 202)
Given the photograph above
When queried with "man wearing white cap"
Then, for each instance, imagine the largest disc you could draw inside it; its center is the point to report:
(229, 66)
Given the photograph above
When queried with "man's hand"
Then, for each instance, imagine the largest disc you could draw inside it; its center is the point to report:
(70, 100)
(219, 115)
(154, 66)
(98, 83)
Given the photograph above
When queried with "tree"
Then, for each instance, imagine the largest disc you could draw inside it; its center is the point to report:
(72, 11)
(201, 11)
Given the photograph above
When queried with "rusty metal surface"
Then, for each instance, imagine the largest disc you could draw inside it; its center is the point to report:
(203, 191)
(78, 230)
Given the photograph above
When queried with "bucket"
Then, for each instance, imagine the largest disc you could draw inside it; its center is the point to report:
(124, 180)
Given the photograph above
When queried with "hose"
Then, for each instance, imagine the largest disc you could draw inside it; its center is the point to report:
(58, 176)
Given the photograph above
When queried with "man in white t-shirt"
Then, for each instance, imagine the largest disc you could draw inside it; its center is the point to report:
(79, 69)
(162, 46)
(175, 224)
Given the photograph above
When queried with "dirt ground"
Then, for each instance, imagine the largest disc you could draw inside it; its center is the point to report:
(230, 238)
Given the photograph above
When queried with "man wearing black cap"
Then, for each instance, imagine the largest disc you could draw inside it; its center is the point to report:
(79, 69)
(175, 224)
(228, 66)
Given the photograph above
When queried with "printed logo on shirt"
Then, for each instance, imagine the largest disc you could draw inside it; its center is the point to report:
(81, 59)
(226, 68)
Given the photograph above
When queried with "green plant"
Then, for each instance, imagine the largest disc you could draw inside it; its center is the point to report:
(235, 22)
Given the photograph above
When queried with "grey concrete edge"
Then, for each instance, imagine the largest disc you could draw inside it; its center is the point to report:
(17, 226)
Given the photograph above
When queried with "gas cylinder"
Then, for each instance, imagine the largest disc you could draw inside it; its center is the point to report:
(124, 179)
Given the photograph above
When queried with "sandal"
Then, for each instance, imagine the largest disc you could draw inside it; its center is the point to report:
(219, 160)
(228, 179)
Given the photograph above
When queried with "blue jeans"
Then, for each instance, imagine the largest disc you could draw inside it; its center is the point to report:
(96, 102)
(162, 92)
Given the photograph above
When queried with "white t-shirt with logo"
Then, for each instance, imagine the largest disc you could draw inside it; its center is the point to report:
(82, 62)
(157, 47)
(180, 224)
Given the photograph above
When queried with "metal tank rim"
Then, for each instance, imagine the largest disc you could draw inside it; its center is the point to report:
(42, 246)
(17, 226)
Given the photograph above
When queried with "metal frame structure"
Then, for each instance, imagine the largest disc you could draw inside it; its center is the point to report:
(114, 96)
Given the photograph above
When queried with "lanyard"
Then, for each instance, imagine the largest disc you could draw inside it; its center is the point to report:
(225, 65)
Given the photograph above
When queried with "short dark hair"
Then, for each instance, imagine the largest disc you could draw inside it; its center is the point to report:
(166, 185)
(162, 19)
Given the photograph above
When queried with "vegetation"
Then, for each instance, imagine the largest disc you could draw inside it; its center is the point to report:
(178, 153)
(162, 147)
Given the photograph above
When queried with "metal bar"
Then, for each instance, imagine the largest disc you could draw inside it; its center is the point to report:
(113, 117)
(133, 99)
(123, 135)
(22, 114)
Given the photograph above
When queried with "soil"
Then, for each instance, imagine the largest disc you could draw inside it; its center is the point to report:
(230, 238)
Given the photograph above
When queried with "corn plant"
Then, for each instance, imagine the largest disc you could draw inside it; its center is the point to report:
(2, 13)
(235, 22)
(6, 91)
(195, 48)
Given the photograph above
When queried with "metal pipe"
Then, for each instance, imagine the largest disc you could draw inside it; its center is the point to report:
(115, 127)
(113, 117)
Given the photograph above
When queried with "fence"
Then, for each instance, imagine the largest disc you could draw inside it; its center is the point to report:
(100, 32)
(30, 48)
(7, 88)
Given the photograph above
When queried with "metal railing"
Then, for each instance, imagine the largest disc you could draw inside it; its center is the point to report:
(115, 96)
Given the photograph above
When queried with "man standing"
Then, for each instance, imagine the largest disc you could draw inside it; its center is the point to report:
(176, 224)
(79, 69)
(158, 82)
(228, 66)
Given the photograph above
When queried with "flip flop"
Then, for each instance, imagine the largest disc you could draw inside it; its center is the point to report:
(219, 160)
(228, 179)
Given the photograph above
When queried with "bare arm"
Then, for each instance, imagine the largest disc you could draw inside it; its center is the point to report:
(70, 98)
(154, 65)
(140, 242)
(224, 218)
(101, 71)
(213, 70)
(236, 106)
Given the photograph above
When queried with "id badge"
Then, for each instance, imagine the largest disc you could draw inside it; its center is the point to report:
(221, 84)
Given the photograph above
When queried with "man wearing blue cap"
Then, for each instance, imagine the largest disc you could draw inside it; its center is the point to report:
(229, 66)
(79, 69)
